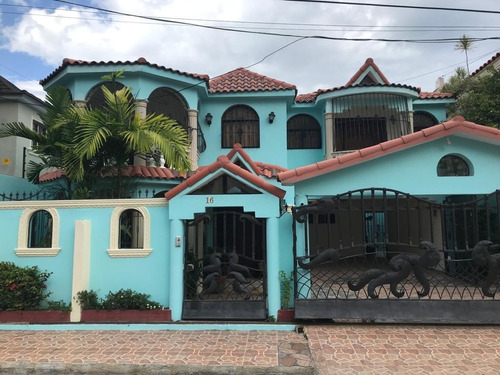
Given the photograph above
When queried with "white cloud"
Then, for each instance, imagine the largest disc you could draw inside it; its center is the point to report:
(33, 87)
(309, 64)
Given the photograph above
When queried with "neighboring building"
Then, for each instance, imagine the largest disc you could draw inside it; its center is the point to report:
(17, 105)
(327, 184)
(494, 62)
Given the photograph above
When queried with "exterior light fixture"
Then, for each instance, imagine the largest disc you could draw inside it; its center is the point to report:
(392, 120)
(271, 117)
(208, 118)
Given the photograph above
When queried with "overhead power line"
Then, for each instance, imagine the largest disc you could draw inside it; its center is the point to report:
(418, 7)
(243, 31)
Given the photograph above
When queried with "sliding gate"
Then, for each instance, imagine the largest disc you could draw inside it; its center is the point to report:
(225, 271)
(383, 255)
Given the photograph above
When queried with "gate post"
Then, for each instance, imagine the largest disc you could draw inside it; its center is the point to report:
(176, 268)
(273, 266)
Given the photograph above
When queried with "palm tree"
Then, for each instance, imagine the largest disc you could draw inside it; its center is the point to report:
(465, 44)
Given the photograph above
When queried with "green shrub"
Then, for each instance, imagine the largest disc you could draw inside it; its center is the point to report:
(124, 299)
(22, 288)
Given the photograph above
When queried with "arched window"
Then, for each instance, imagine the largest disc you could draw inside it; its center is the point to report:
(240, 124)
(169, 103)
(422, 120)
(453, 165)
(38, 233)
(40, 229)
(95, 98)
(303, 131)
(131, 230)
(130, 233)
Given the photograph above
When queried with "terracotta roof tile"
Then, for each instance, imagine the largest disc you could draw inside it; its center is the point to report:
(243, 80)
(456, 125)
(224, 162)
(140, 61)
(139, 171)
(435, 95)
(306, 98)
(368, 63)
(493, 58)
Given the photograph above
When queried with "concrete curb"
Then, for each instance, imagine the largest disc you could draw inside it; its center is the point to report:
(25, 368)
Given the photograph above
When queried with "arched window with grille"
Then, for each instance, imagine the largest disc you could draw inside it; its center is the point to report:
(131, 230)
(169, 103)
(422, 120)
(38, 233)
(453, 165)
(303, 132)
(240, 124)
(95, 97)
(40, 230)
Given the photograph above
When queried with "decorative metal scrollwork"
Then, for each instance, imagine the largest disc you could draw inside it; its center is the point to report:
(323, 257)
(402, 264)
(481, 256)
(323, 206)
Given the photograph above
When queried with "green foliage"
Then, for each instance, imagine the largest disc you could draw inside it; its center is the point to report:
(124, 299)
(479, 101)
(286, 289)
(22, 288)
(57, 306)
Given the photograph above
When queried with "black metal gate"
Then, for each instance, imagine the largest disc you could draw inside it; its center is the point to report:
(383, 255)
(225, 270)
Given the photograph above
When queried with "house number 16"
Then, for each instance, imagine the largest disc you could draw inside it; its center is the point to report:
(210, 199)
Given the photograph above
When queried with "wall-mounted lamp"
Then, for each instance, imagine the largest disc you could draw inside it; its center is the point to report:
(392, 119)
(271, 117)
(448, 142)
(208, 118)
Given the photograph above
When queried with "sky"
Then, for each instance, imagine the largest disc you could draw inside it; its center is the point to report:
(36, 35)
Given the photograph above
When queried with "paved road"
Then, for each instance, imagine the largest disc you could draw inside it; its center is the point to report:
(321, 349)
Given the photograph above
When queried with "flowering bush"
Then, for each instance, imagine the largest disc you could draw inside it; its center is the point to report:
(22, 288)
(124, 299)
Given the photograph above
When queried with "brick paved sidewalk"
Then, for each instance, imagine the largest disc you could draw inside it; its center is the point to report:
(396, 349)
(154, 352)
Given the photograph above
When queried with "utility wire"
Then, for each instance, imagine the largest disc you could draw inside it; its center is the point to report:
(417, 7)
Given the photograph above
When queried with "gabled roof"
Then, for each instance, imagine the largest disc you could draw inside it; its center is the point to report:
(140, 61)
(226, 162)
(492, 59)
(435, 95)
(456, 125)
(363, 71)
(243, 80)
(8, 88)
(139, 171)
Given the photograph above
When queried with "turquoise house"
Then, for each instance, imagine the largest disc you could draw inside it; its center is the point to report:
(344, 179)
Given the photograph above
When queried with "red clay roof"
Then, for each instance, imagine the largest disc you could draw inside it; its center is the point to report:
(140, 171)
(493, 58)
(243, 80)
(140, 61)
(435, 95)
(457, 124)
(369, 62)
(224, 162)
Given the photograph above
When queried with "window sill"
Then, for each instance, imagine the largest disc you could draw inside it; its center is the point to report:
(129, 253)
(37, 251)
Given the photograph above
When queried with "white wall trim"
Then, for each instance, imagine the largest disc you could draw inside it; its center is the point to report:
(22, 249)
(114, 231)
(83, 203)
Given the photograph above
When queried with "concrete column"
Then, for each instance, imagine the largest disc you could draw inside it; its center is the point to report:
(140, 109)
(410, 117)
(193, 138)
(176, 268)
(273, 266)
(81, 266)
(329, 134)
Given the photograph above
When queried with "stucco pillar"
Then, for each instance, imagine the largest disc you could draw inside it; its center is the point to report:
(410, 117)
(141, 107)
(273, 266)
(300, 242)
(329, 135)
(176, 268)
(193, 138)
(80, 103)
(81, 266)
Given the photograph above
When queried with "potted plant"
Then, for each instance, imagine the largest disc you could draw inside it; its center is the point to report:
(123, 306)
(24, 298)
(286, 313)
